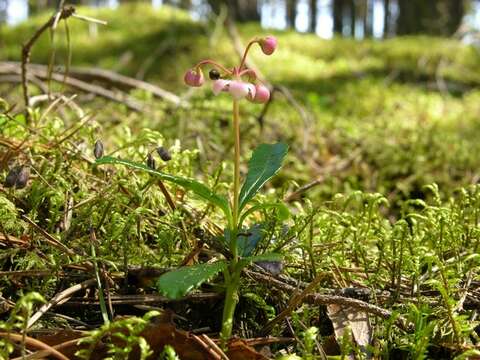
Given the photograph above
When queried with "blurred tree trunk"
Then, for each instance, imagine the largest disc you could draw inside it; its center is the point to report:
(353, 17)
(185, 4)
(215, 6)
(338, 6)
(440, 17)
(312, 24)
(456, 10)
(368, 19)
(291, 13)
(247, 10)
(387, 16)
(3, 11)
(239, 10)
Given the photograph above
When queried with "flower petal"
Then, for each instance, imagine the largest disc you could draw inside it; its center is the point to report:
(251, 91)
(220, 85)
(262, 94)
(238, 89)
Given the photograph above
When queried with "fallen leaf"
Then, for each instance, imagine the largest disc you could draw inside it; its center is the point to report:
(344, 317)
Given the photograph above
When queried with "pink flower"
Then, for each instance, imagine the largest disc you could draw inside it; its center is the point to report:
(268, 44)
(262, 94)
(238, 89)
(220, 85)
(194, 78)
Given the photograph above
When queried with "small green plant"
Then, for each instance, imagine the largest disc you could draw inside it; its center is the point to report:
(127, 331)
(17, 321)
(264, 164)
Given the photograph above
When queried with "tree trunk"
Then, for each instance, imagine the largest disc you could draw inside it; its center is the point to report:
(456, 10)
(387, 15)
(440, 17)
(312, 25)
(338, 6)
(368, 19)
(247, 10)
(291, 13)
(3, 11)
(353, 18)
(185, 4)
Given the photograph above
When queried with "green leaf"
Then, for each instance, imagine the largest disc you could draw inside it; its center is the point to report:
(196, 187)
(175, 284)
(248, 240)
(282, 211)
(265, 162)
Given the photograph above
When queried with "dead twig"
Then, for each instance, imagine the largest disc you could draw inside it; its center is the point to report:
(61, 296)
(322, 299)
(42, 73)
(208, 348)
(293, 303)
(328, 170)
(64, 13)
(34, 343)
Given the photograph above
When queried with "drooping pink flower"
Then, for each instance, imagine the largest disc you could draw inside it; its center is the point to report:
(268, 44)
(194, 78)
(262, 94)
(239, 89)
(220, 85)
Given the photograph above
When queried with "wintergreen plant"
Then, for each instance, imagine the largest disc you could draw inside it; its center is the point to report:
(265, 162)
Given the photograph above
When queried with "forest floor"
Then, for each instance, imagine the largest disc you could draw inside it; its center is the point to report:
(380, 181)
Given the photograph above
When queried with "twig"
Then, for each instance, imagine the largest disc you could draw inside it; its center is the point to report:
(54, 242)
(144, 299)
(65, 294)
(293, 303)
(64, 13)
(326, 171)
(321, 299)
(107, 76)
(215, 347)
(213, 354)
(33, 343)
(42, 354)
(120, 97)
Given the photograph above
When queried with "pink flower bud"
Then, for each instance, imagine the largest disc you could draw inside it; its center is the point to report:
(220, 85)
(268, 44)
(239, 89)
(262, 94)
(194, 78)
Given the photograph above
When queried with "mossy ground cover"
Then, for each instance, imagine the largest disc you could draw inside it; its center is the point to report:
(385, 120)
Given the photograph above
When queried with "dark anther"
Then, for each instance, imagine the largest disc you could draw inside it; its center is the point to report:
(98, 149)
(151, 162)
(17, 177)
(164, 154)
(214, 74)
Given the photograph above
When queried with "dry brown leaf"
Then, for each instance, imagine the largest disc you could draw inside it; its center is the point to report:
(344, 317)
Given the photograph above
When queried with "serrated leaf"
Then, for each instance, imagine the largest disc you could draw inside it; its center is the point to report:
(196, 187)
(175, 284)
(265, 162)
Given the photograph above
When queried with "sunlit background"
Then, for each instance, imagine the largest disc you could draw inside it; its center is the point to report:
(273, 14)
